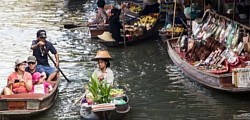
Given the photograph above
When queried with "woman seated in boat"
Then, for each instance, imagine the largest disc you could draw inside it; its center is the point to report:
(103, 70)
(151, 6)
(39, 85)
(115, 25)
(101, 16)
(19, 81)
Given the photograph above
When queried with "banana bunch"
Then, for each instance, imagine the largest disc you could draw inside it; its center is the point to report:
(116, 92)
(135, 9)
(147, 20)
(176, 29)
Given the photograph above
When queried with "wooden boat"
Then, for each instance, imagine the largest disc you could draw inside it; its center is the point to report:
(28, 104)
(96, 30)
(106, 111)
(222, 82)
(130, 38)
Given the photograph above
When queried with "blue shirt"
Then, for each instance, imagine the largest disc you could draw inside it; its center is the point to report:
(38, 69)
(41, 54)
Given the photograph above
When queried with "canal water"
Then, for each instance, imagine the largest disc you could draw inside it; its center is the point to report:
(157, 89)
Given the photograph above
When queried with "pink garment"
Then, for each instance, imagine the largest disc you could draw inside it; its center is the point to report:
(45, 85)
(101, 16)
(36, 77)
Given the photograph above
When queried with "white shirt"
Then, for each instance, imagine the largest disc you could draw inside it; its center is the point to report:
(108, 75)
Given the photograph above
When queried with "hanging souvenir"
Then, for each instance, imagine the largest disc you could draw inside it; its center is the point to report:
(246, 38)
(230, 36)
(210, 32)
(227, 31)
(197, 30)
(235, 38)
(217, 33)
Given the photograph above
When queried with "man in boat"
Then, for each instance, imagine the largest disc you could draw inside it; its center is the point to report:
(32, 67)
(103, 71)
(41, 48)
(151, 6)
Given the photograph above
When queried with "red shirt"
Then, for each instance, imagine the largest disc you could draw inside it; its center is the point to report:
(19, 87)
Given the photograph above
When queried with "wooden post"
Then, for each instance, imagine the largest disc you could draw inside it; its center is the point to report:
(234, 4)
(174, 18)
(124, 34)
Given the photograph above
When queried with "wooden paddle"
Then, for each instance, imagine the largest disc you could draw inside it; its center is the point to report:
(58, 68)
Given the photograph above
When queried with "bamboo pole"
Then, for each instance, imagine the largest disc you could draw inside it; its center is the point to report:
(234, 4)
(174, 18)
(124, 32)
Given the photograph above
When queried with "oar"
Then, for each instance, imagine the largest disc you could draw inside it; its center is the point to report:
(71, 26)
(124, 32)
(58, 68)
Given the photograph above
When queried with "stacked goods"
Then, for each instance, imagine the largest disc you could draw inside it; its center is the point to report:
(134, 8)
(217, 46)
(140, 26)
(167, 31)
(116, 92)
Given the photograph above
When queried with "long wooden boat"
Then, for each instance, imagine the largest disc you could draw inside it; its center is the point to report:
(107, 111)
(222, 82)
(96, 30)
(28, 104)
(130, 39)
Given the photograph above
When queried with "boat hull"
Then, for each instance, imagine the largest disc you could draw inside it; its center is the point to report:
(222, 82)
(95, 31)
(28, 104)
(105, 113)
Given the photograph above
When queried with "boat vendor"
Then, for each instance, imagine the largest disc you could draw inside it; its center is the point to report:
(103, 70)
(101, 16)
(151, 6)
(19, 81)
(115, 25)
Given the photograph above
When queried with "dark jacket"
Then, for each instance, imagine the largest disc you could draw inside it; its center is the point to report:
(115, 24)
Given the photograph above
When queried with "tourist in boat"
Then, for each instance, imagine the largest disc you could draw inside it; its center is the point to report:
(115, 25)
(103, 70)
(151, 6)
(101, 16)
(32, 67)
(19, 81)
(39, 85)
(41, 48)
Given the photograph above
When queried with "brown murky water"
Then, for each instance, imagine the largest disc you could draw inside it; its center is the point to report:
(157, 89)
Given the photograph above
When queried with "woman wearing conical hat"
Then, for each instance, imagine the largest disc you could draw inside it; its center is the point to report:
(103, 70)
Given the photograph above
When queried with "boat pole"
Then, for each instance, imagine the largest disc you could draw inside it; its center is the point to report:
(174, 18)
(58, 68)
(123, 22)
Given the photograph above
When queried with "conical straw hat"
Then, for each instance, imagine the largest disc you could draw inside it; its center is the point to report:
(106, 36)
(102, 54)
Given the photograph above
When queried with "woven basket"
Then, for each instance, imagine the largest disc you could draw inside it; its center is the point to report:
(124, 107)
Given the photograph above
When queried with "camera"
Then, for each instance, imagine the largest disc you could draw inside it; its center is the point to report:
(16, 81)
